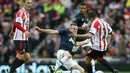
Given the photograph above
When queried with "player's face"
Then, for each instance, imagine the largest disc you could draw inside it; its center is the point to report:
(83, 8)
(28, 4)
(73, 29)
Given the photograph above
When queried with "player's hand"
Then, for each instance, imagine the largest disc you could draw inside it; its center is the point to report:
(11, 34)
(108, 45)
(27, 34)
(37, 28)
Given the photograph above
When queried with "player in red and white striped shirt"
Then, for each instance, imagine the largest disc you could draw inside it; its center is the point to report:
(98, 34)
(20, 35)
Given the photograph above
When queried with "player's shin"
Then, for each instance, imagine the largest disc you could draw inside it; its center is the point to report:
(88, 64)
(105, 63)
(15, 64)
(89, 68)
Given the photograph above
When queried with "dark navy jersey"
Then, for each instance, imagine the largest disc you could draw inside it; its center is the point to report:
(81, 19)
(67, 41)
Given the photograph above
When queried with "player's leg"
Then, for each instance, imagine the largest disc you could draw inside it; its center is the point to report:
(87, 47)
(63, 57)
(93, 66)
(77, 68)
(105, 63)
(26, 57)
(73, 67)
(18, 61)
(88, 64)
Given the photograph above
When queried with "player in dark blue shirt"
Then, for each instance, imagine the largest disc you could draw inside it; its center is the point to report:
(83, 23)
(67, 47)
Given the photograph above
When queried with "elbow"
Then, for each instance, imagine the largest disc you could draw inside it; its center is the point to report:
(112, 34)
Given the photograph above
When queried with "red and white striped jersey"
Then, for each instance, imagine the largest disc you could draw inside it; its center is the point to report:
(22, 17)
(100, 29)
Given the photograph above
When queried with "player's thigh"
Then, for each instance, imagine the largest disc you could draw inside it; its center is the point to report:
(21, 46)
(61, 53)
(70, 63)
(78, 67)
(66, 53)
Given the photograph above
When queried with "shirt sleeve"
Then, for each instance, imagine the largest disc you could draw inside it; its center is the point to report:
(19, 20)
(62, 31)
(94, 27)
(19, 17)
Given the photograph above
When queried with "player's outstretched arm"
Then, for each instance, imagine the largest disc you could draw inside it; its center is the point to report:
(87, 36)
(82, 43)
(48, 31)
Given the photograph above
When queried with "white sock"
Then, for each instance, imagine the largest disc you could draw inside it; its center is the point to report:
(60, 62)
(93, 65)
(73, 71)
(57, 64)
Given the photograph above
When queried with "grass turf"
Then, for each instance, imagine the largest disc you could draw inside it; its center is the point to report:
(119, 72)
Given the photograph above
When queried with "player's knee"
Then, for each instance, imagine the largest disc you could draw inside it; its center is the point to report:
(19, 56)
(82, 70)
(26, 57)
(67, 54)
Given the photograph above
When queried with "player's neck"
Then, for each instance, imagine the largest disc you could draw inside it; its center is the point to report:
(26, 9)
(82, 13)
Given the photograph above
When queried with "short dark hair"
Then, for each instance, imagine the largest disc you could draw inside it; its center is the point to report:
(91, 14)
(82, 4)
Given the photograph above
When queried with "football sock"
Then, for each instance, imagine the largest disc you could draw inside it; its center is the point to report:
(105, 63)
(89, 68)
(93, 65)
(16, 63)
(60, 62)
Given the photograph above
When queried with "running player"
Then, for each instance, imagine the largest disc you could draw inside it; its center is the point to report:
(20, 34)
(83, 24)
(98, 34)
(64, 54)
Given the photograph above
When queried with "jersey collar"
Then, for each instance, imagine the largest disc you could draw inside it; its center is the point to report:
(24, 9)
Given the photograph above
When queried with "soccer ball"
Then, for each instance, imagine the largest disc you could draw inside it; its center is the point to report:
(99, 71)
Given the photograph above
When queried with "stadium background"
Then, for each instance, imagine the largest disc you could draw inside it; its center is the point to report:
(57, 14)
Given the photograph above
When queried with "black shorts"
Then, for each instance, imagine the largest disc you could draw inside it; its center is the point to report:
(94, 54)
(21, 46)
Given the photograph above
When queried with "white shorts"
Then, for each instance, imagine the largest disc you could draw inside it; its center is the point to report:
(69, 64)
(89, 43)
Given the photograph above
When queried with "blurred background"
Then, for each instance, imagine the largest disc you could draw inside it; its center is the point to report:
(57, 14)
